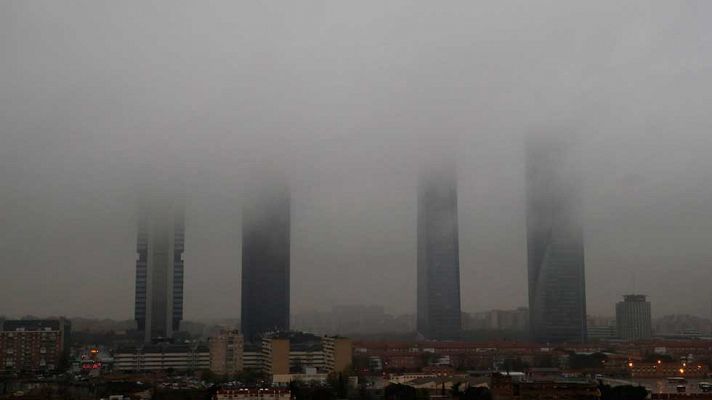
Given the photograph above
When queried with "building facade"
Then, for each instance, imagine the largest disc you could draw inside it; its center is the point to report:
(253, 394)
(33, 345)
(227, 353)
(265, 261)
(294, 353)
(162, 357)
(159, 267)
(633, 318)
(555, 250)
(439, 315)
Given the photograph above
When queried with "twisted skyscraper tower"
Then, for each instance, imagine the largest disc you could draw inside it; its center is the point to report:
(555, 251)
(438, 254)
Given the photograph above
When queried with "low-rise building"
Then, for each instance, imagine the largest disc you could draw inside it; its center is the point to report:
(253, 394)
(252, 357)
(505, 388)
(293, 352)
(662, 369)
(602, 332)
(162, 357)
(310, 375)
(226, 352)
(33, 345)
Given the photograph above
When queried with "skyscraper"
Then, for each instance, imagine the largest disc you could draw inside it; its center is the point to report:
(633, 318)
(159, 267)
(265, 260)
(438, 255)
(555, 251)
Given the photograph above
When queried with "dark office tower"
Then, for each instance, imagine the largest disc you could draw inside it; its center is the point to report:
(159, 267)
(265, 260)
(557, 289)
(438, 255)
(633, 318)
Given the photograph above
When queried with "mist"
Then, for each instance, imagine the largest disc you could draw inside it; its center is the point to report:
(348, 101)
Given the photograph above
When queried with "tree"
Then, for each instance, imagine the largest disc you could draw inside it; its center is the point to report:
(252, 377)
(455, 390)
(544, 361)
(302, 391)
(363, 393)
(625, 392)
(360, 364)
(587, 361)
(396, 391)
(427, 358)
(422, 394)
(474, 393)
(653, 358)
(339, 384)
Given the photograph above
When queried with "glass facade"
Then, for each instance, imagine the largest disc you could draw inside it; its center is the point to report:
(555, 251)
(438, 255)
(159, 267)
(265, 262)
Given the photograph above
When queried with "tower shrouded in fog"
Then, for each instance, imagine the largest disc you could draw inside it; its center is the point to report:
(555, 250)
(159, 266)
(438, 254)
(265, 259)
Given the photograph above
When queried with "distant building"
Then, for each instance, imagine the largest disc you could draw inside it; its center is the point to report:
(287, 353)
(602, 332)
(506, 387)
(668, 369)
(309, 375)
(338, 353)
(633, 318)
(352, 319)
(265, 261)
(226, 353)
(252, 356)
(161, 357)
(498, 320)
(601, 328)
(682, 326)
(253, 394)
(33, 345)
(275, 355)
(359, 318)
(439, 313)
(159, 266)
(555, 251)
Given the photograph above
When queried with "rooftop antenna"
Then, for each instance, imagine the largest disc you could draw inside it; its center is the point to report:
(632, 286)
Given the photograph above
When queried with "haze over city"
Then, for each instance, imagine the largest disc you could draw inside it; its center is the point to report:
(349, 101)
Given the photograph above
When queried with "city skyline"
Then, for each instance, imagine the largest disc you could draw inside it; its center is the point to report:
(350, 101)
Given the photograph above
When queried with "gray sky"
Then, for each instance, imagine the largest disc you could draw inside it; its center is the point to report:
(350, 98)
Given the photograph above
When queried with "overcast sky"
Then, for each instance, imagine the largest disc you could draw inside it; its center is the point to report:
(349, 98)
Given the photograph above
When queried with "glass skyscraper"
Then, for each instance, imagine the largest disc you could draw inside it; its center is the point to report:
(159, 267)
(265, 261)
(438, 255)
(555, 251)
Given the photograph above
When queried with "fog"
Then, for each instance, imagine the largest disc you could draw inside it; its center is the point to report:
(349, 99)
